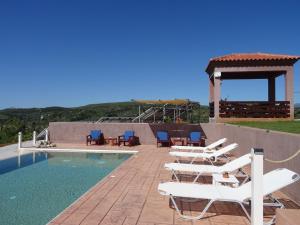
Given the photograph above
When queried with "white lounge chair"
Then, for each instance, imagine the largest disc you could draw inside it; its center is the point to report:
(272, 181)
(212, 156)
(231, 166)
(208, 148)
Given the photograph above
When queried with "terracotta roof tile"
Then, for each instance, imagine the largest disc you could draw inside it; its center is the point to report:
(250, 59)
(254, 56)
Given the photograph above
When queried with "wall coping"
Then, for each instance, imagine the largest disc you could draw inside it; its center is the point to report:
(260, 129)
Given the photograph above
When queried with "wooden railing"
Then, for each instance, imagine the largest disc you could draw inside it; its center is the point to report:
(254, 109)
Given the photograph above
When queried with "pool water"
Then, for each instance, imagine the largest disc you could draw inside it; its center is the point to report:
(34, 193)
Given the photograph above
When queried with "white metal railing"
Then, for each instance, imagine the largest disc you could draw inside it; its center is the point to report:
(43, 134)
(142, 115)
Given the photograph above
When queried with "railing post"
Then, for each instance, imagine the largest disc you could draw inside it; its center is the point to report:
(139, 114)
(19, 140)
(257, 171)
(34, 138)
(46, 135)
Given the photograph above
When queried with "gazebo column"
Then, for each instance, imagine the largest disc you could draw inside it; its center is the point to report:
(217, 94)
(271, 89)
(289, 89)
(211, 90)
(211, 98)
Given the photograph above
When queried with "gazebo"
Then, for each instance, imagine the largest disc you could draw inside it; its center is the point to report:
(251, 66)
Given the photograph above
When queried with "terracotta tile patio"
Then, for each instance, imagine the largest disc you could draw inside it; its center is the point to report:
(128, 196)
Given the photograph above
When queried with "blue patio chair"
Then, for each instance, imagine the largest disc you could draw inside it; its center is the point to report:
(128, 137)
(163, 138)
(194, 138)
(96, 136)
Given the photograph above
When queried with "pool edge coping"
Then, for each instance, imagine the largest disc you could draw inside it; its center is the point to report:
(78, 150)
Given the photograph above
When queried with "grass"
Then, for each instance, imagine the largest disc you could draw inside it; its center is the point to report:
(283, 126)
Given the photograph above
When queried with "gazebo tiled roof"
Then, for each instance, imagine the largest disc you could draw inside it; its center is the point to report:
(250, 59)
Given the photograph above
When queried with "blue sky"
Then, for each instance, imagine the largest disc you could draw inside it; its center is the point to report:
(71, 53)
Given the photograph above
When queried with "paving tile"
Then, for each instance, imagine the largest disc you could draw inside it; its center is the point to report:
(130, 221)
(93, 219)
(62, 217)
(143, 223)
(157, 213)
(229, 219)
(74, 218)
(114, 218)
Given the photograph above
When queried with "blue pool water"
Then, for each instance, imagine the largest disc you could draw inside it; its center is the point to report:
(34, 193)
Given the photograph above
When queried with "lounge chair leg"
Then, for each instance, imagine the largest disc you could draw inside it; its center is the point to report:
(245, 180)
(200, 216)
(211, 162)
(240, 171)
(245, 211)
(275, 203)
(175, 176)
(197, 177)
(193, 160)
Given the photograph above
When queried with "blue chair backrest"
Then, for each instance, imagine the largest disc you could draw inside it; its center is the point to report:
(95, 134)
(195, 136)
(128, 134)
(162, 135)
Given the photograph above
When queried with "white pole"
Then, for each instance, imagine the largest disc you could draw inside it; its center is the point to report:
(19, 159)
(46, 135)
(19, 140)
(139, 114)
(257, 171)
(34, 138)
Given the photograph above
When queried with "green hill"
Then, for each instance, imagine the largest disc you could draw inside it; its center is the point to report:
(13, 120)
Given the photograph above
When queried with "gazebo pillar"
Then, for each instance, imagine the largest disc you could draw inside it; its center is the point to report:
(271, 89)
(289, 89)
(217, 94)
(211, 90)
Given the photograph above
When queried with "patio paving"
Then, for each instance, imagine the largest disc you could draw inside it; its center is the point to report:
(128, 196)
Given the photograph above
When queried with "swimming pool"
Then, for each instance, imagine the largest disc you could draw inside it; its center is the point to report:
(34, 193)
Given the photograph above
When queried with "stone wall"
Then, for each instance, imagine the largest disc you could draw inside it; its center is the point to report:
(75, 132)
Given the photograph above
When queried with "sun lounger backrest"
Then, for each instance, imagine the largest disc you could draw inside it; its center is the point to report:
(195, 136)
(216, 144)
(277, 179)
(95, 134)
(237, 163)
(128, 134)
(162, 135)
(272, 181)
(225, 150)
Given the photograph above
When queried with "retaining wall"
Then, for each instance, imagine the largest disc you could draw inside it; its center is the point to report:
(75, 132)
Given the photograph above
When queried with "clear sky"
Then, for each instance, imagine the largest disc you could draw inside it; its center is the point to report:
(71, 53)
